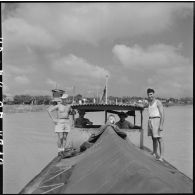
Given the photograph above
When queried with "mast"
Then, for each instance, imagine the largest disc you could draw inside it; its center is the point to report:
(97, 95)
(141, 131)
(73, 90)
(106, 88)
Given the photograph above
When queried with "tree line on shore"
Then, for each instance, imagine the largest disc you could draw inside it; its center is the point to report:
(35, 100)
(46, 99)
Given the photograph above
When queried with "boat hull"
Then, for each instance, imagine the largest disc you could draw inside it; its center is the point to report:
(110, 165)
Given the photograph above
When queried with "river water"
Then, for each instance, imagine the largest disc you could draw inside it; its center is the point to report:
(30, 142)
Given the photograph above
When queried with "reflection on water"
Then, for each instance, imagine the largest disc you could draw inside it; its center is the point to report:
(30, 142)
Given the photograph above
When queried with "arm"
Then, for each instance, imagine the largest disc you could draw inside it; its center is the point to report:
(78, 123)
(50, 110)
(131, 126)
(102, 128)
(136, 127)
(85, 122)
(89, 122)
(117, 124)
(116, 127)
(69, 111)
(72, 111)
(161, 111)
(75, 122)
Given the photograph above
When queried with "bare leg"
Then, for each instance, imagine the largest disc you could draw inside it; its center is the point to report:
(153, 146)
(59, 144)
(64, 139)
(161, 148)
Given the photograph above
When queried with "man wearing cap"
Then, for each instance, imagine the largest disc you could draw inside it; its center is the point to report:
(61, 121)
(122, 123)
(81, 121)
(155, 123)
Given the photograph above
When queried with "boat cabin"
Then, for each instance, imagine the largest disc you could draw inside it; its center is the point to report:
(129, 109)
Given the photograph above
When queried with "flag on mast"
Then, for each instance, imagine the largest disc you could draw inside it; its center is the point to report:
(103, 98)
(105, 91)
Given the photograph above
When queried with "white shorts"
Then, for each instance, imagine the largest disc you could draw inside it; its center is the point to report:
(153, 127)
(62, 126)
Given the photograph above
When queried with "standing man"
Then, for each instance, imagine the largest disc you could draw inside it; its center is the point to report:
(155, 123)
(61, 121)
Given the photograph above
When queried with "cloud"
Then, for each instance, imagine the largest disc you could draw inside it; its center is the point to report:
(174, 81)
(11, 69)
(18, 73)
(22, 79)
(51, 82)
(164, 68)
(19, 31)
(34, 40)
(76, 66)
(123, 80)
(34, 24)
(6, 89)
(155, 56)
(36, 92)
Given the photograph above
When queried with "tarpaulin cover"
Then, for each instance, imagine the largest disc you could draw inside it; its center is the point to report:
(113, 165)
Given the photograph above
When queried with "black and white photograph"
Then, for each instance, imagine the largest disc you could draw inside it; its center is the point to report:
(97, 97)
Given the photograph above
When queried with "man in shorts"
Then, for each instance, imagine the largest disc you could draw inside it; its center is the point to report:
(155, 123)
(61, 121)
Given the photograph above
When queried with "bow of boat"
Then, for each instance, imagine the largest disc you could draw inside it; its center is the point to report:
(111, 165)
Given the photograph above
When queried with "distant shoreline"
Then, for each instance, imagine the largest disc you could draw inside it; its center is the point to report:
(176, 104)
(40, 108)
(23, 108)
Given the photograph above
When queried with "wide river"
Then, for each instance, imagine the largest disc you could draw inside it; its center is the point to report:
(30, 143)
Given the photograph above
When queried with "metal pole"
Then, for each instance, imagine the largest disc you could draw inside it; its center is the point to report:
(106, 88)
(73, 94)
(134, 119)
(97, 95)
(105, 116)
(141, 131)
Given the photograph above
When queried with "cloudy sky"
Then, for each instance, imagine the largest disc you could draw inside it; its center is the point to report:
(139, 45)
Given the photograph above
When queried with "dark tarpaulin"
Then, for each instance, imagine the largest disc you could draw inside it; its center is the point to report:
(112, 165)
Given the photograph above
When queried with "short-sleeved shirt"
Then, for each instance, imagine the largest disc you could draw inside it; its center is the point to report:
(81, 122)
(124, 125)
